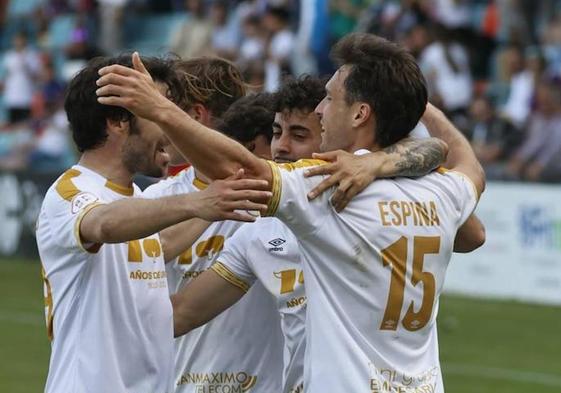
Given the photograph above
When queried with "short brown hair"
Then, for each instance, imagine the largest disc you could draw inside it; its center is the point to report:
(249, 117)
(87, 117)
(386, 77)
(213, 82)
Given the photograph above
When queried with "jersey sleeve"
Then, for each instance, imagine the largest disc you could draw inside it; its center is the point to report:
(464, 192)
(65, 207)
(156, 190)
(233, 263)
(290, 203)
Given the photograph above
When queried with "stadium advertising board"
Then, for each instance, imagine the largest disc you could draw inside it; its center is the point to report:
(21, 195)
(521, 258)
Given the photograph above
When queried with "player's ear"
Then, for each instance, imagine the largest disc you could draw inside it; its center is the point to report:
(117, 128)
(200, 113)
(361, 113)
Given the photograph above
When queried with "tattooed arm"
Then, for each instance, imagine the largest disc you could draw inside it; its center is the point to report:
(413, 157)
(353, 173)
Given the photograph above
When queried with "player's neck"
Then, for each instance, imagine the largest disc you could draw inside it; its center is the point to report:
(364, 139)
(107, 165)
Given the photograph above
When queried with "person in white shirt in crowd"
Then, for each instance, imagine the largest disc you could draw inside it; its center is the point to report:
(22, 67)
(517, 106)
(276, 21)
(445, 65)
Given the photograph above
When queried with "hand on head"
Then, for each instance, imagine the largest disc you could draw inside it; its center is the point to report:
(130, 88)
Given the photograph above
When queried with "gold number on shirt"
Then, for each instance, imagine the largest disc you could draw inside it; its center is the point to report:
(151, 247)
(288, 280)
(212, 245)
(47, 291)
(396, 257)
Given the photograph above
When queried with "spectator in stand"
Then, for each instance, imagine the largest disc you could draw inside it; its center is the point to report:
(276, 21)
(453, 14)
(344, 16)
(44, 150)
(52, 89)
(80, 49)
(445, 65)
(520, 86)
(225, 37)
(539, 157)
(417, 39)
(394, 20)
(193, 38)
(22, 69)
(111, 13)
(253, 44)
(552, 46)
(493, 138)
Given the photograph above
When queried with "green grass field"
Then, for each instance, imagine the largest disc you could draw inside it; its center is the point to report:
(486, 346)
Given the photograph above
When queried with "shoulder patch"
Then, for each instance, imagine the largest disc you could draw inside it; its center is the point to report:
(65, 187)
(81, 200)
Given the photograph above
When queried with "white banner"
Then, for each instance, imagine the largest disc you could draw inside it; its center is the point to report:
(521, 258)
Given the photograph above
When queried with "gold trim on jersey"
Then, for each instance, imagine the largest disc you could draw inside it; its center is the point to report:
(290, 166)
(199, 184)
(276, 189)
(224, 272)
(48, 303)
(443, 171)
(126, 191)
(65, 188)
(94, 248)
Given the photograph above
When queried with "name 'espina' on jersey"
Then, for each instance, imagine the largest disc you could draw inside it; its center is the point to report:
(403, 213)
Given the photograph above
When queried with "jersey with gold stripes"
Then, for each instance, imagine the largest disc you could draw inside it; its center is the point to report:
(108, 311)
(373, 277)
(239, 350)
(267, 252)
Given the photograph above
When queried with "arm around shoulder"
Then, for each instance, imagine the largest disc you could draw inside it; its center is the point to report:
(461, 157)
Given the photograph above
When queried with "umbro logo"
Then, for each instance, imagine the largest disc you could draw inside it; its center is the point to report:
(276, 243)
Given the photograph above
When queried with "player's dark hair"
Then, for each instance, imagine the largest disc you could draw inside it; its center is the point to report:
(213, 82)
(386, 77)
(88, 118)
(249, 117)
(304, 93)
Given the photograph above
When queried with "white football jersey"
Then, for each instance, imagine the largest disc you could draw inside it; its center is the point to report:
(373, 277)
(266, 251)
(239, 350)
(109, 316)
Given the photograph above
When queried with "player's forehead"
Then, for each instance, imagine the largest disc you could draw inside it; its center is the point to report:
(296, 117)
(337, 82)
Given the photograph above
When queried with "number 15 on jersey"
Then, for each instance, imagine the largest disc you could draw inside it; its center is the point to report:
(396, 256)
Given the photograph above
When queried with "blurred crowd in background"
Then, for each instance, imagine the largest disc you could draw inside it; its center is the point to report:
(493, 66)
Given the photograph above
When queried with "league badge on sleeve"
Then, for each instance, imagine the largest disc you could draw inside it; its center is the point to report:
(82, 200)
